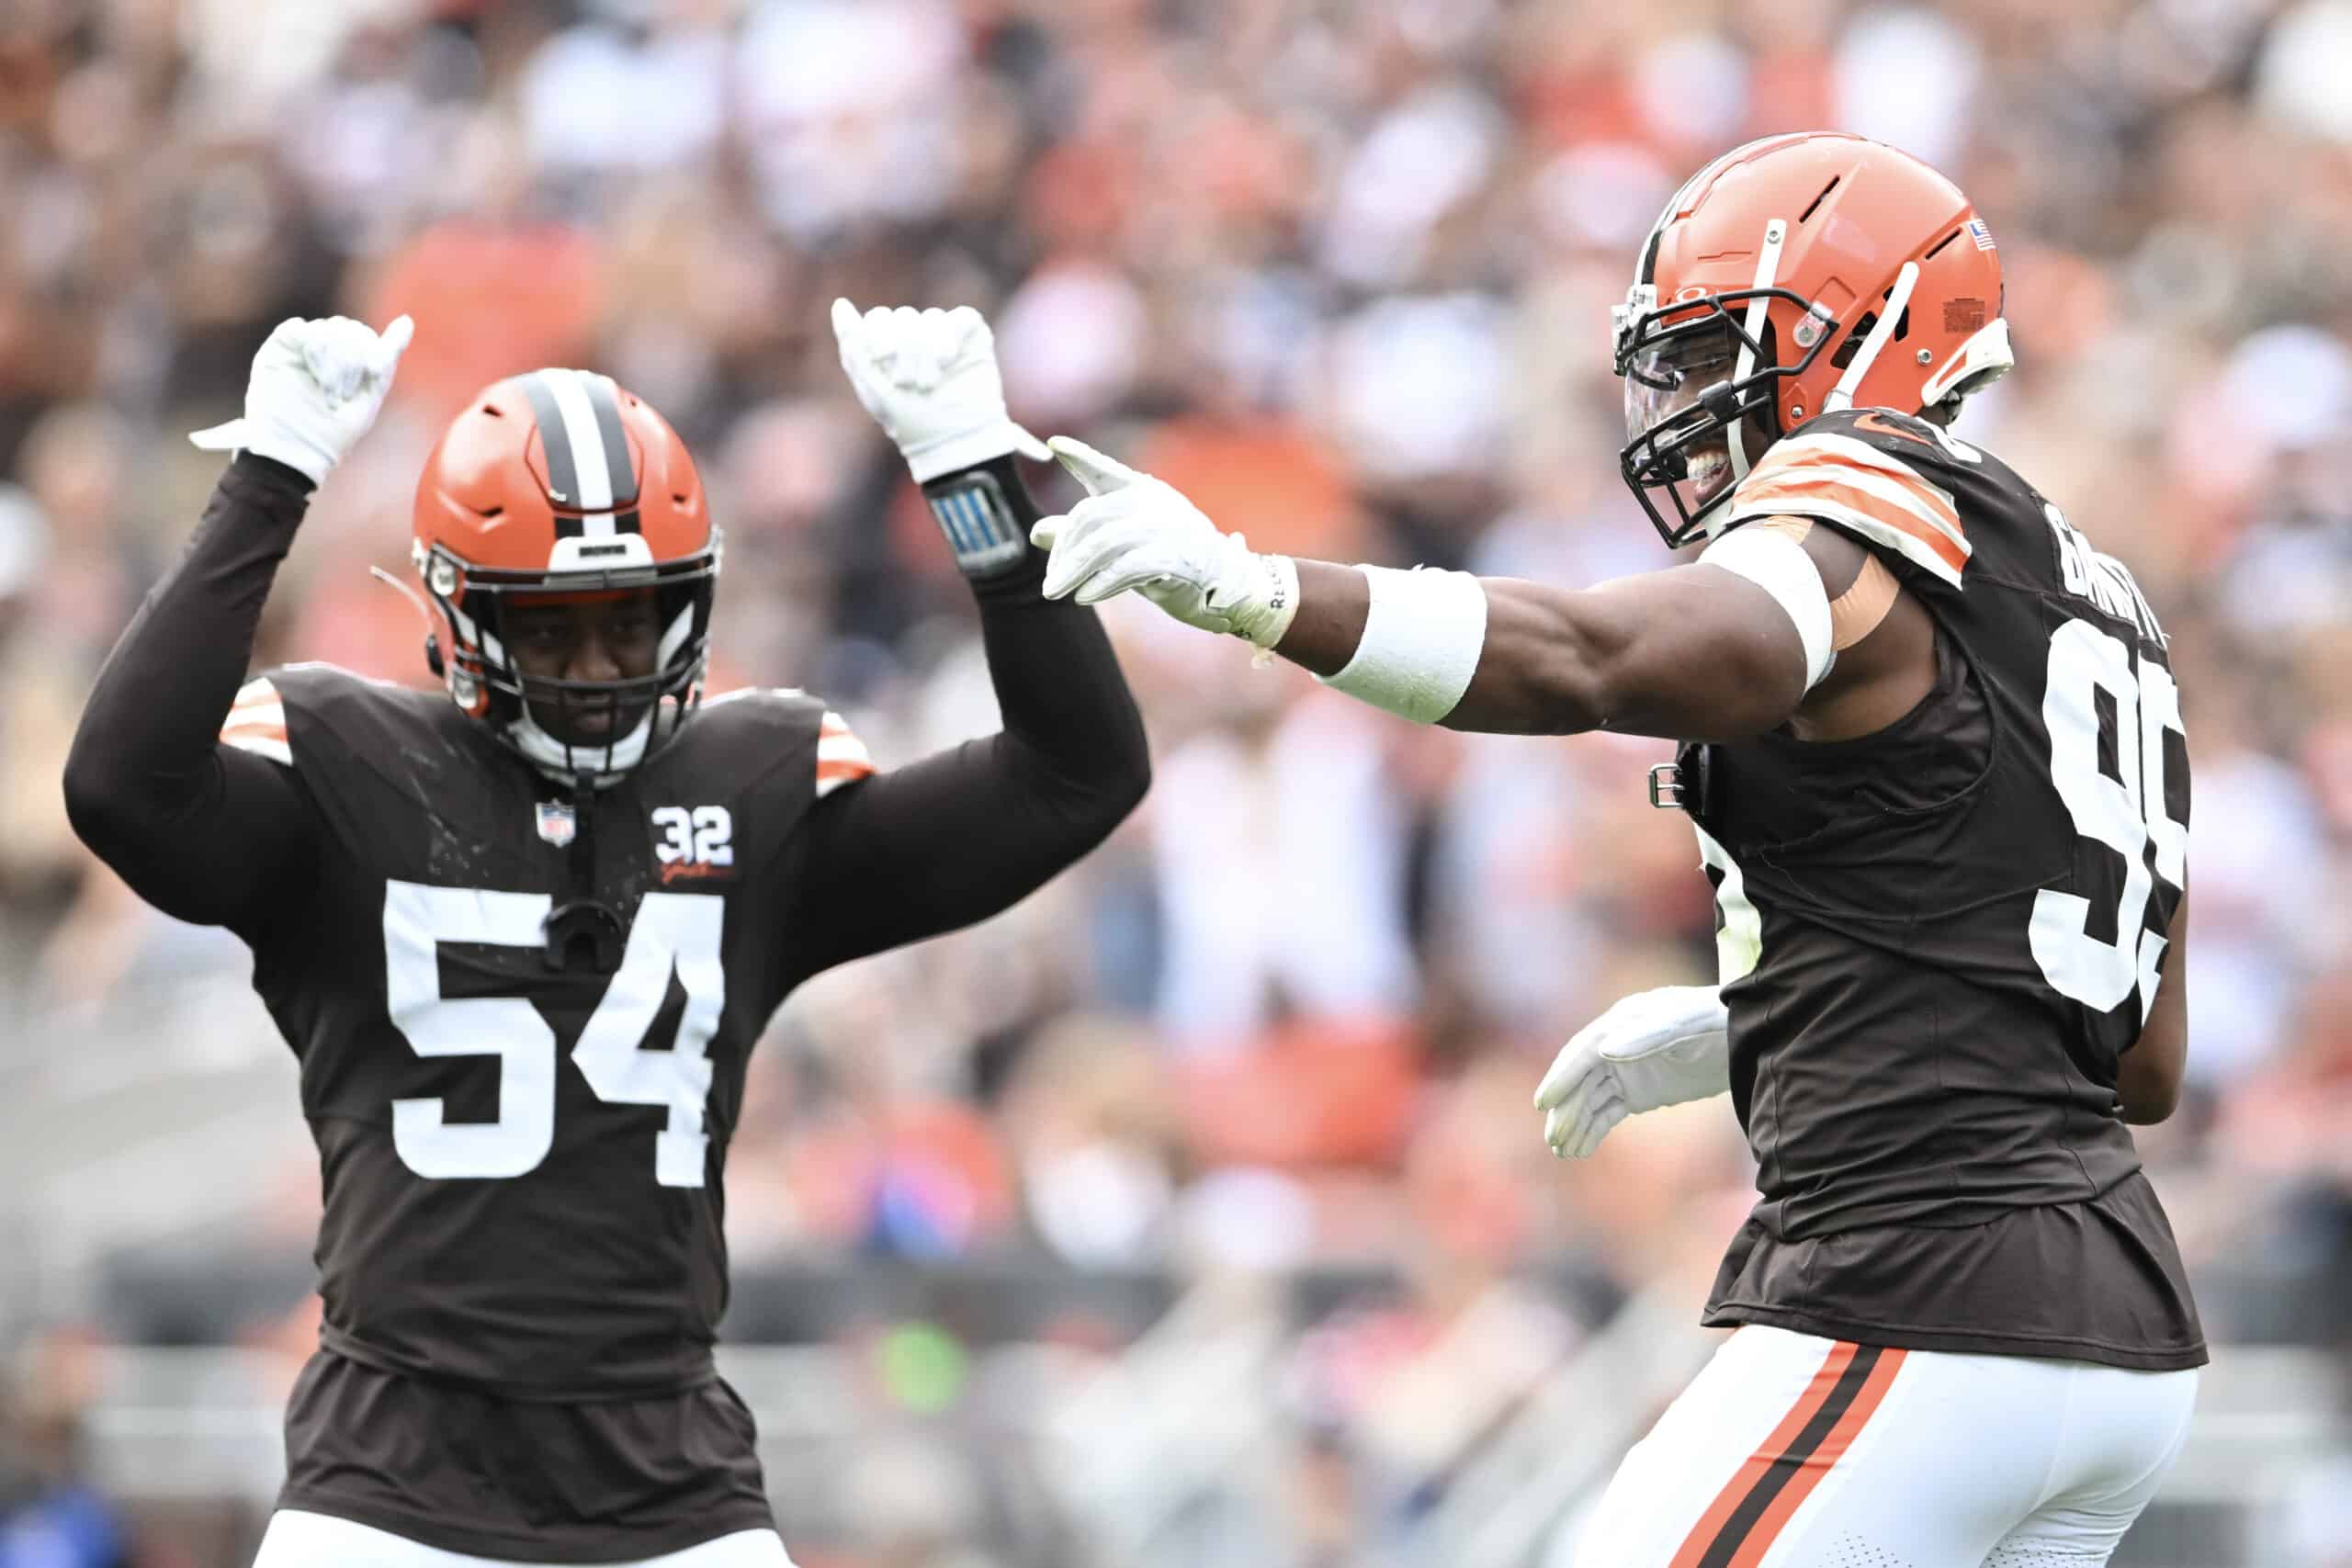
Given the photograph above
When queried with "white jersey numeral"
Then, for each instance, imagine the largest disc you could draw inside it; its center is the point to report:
(2124, 811)
(417, 920)
(1739, 936)
(675, 933)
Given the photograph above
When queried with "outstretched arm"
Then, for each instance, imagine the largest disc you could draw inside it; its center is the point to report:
(1693, 652)
(1727, 646)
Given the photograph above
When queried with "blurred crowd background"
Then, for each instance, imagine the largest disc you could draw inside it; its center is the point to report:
(1194, 1211)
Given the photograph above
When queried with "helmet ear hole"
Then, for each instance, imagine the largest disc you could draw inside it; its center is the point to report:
(1764, 422)
(432, 654)
(1844, 354)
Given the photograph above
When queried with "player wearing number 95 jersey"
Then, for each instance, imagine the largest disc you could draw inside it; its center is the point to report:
(522, 930)
(1934, 756)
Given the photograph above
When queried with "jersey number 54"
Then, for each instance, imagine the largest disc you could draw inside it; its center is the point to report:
(674, 932)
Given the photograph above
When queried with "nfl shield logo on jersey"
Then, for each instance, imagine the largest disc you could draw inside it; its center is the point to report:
(556, 824)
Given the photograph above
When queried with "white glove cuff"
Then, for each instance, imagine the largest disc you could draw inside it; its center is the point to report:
(240, 436)
(1778, 564)
(970, 448)
(1267, 612)
(1421, 641)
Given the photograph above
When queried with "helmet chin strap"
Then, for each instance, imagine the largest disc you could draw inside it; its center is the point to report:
(1897, 299)
(563, 763)
(1768, 271)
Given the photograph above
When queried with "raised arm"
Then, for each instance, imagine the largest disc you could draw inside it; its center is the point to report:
(957, 836)
(202, 827)
(964, 834)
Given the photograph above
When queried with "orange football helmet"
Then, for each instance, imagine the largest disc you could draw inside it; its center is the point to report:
(1792, 276)
(560, 481)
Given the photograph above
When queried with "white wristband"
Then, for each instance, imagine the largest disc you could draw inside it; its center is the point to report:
(1423, 636)
(1779, 565)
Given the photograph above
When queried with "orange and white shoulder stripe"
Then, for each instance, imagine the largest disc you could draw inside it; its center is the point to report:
(256, 722)
(841, 757)
(1854, 486)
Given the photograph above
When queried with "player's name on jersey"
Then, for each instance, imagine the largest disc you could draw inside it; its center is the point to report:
(2101, 578)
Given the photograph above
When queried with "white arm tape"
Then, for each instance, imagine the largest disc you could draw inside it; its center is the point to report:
(1778, 564)
(1421, 640)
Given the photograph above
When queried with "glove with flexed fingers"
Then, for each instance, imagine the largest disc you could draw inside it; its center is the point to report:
(931, 381)
(316, 386)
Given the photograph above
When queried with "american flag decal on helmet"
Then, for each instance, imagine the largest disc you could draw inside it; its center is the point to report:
(1981, 233)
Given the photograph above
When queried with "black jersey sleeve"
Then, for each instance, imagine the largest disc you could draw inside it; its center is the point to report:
(960, 836)
(208, 831)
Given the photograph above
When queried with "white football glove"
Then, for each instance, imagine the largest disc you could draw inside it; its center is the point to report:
(1652, 1048)
(1135, 532)
(315, 388)
(930, 379)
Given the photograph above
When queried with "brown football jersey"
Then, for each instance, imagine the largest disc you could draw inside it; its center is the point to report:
(523, 1252)
(1938, 940)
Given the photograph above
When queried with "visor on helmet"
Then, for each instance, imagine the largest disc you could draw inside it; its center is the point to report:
(1684, 394)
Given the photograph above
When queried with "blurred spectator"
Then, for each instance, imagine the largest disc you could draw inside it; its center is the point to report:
(1338, 268)
(49, 1516)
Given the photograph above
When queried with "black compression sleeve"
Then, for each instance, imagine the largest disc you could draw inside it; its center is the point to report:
(961, 835)
(203, 832)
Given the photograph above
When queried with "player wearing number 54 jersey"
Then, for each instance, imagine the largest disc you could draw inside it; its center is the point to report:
(1933, 753)
(523, 932)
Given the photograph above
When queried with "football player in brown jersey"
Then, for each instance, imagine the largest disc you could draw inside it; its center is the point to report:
(523, 930)
(1934, 756)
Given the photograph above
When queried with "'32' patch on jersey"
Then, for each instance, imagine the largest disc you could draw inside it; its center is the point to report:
(694, 841)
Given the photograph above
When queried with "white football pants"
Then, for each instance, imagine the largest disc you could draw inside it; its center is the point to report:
(1792, 1451)
(299, 1540)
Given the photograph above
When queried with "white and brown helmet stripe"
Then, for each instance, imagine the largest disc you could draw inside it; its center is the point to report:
(590, 478)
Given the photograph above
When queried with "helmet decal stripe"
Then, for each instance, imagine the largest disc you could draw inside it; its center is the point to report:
(589, 463)
(1645, 270)
(604, 398)
(563, 482)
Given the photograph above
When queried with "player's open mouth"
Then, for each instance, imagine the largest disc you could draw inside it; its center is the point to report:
(1710, 470)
